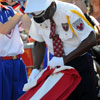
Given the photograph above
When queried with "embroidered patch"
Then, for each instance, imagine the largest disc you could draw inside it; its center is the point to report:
(65, 26)
(78, 24)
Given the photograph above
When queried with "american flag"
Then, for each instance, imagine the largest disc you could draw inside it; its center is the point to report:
(52, 84)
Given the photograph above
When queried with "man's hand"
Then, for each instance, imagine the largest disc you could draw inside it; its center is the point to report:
(33, 75)
(56, 61)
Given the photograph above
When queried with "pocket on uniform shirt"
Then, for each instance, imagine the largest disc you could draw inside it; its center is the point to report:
(65, 35)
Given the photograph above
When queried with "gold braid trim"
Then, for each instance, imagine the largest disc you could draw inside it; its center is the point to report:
(67, 17)
(79, 14)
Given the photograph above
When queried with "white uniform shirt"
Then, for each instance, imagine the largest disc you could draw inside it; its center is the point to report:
(41, 32)
(10, 44)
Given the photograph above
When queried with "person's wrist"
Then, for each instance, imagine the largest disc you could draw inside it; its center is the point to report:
(16, 5)
(21, 10)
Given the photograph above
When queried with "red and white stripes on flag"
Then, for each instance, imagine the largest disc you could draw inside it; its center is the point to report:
(52, 84)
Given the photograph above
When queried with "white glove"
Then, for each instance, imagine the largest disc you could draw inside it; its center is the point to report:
(33, 75)
(56, 61)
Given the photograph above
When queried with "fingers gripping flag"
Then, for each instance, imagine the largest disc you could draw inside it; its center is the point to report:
(52, 84)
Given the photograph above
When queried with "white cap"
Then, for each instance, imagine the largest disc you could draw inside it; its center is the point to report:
(37, 5)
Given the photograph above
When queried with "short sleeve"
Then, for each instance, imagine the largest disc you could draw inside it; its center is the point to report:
(6, 14)
(80, 26)
(34, 32)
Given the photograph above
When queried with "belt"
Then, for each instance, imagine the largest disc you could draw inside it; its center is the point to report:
(10, 57)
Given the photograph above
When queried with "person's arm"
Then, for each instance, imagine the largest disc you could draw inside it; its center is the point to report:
(96, 26)
(38, 53)
(85, 45)
(8, 26)
(82, 48)
(26, 23)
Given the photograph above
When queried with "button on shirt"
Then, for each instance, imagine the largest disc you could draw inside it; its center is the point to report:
(41, 32)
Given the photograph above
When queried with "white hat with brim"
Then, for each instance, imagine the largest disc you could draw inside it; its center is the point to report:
(37, 5)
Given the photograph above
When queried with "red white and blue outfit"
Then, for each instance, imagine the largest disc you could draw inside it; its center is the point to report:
(12, 69)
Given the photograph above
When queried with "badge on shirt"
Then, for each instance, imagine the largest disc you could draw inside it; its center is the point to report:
(65, 26)
(78, 24)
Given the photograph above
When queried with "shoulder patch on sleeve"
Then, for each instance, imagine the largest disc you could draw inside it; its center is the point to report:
(78, 24)
(82, 17)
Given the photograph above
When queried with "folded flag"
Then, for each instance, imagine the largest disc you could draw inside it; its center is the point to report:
(52, 84)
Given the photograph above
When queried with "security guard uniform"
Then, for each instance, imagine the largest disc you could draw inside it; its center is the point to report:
(72, 27)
